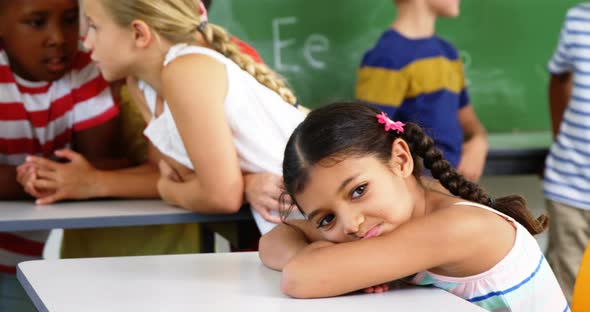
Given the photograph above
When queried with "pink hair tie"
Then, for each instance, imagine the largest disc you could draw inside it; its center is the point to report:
(390, 124)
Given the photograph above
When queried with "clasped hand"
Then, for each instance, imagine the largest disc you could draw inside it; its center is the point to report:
(50, 181)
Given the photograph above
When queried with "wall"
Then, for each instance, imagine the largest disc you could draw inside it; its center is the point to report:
(317, 46)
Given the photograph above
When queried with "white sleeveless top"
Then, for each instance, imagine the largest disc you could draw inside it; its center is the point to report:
(260, 120)
(521, 281)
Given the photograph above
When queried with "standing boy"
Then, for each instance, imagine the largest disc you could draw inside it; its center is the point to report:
(414, 75)
(567, 175)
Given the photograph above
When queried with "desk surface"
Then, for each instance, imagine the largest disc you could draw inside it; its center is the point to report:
(25, 215)
(197, 282)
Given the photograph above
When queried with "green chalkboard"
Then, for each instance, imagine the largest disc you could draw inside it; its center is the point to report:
(317, 45)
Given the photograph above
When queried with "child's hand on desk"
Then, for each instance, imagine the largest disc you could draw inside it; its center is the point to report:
(26, 175)
(74, 179)
(397, 284)
(376, 289)
(262, 191)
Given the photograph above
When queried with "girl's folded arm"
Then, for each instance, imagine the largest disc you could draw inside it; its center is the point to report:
(195, 88)
(425, 243)
(282, 243)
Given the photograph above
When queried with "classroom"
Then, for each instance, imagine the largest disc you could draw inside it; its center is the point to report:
(280, 155)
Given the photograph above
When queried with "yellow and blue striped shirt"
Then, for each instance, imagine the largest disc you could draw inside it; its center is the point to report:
(419, 80)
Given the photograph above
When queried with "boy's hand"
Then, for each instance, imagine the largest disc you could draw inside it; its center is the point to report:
(262, 191)
(26, 176)
(470, 171)
(472, 163)
(72, 180)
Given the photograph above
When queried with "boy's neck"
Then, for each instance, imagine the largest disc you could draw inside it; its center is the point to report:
(414, 22)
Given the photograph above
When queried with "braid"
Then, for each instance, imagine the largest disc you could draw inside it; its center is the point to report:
(441, 169)
(514, 205)
(219, 40)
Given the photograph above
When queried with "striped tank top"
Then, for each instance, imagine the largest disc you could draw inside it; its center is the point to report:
(521, 281)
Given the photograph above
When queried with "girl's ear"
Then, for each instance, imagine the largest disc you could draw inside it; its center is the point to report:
(401, 161)
(142, 34)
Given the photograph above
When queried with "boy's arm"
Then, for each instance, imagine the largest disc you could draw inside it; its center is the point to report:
(9, 186)
(134, 182)
(560, 88)
(99, 145)
(78, 179)
(475, 145)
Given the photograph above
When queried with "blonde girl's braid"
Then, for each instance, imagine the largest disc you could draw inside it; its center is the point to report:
(513, 205)
(219, 40)
(180, 21)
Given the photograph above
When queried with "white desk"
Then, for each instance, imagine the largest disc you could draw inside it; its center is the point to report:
(25, 215)
(205, 282)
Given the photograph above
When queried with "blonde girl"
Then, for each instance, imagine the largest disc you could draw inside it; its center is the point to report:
(211, 111)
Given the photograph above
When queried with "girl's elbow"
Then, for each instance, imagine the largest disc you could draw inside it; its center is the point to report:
(294, 286)
(290, 284)
(227, 203)
(267, 252)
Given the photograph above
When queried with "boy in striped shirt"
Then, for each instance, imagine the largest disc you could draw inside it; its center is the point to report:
(51, 98)
(567, 175)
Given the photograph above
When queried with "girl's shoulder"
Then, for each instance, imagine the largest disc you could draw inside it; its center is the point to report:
(185, 51)
(463, 211)
(459, 213)
(464, 220)
(197, 69)
(468, 227)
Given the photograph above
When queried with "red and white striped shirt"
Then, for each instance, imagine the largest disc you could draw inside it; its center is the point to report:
(36, 118)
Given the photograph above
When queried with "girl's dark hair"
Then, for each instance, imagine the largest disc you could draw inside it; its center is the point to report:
(351, 129)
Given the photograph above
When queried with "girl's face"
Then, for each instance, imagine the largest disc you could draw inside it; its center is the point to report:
(111, 45)
(356, 198)
(444, 8)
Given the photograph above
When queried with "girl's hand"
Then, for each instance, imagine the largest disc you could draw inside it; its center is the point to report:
(397, 284)
(381, 288)
(262, 191)
(168, 179)
(75, 179)
(168, 172)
